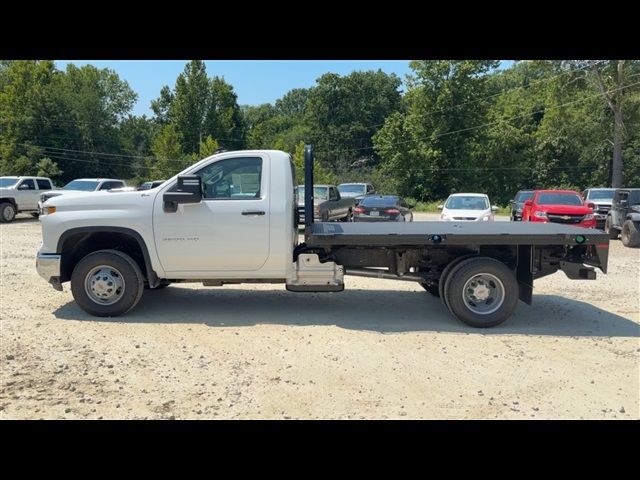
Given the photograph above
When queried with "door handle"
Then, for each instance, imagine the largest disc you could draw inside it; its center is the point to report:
(253, 212)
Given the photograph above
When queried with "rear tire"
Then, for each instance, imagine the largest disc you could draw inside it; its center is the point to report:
(612, 232)
(630, 235)
(7, 212)
(482, 292)
(348, 218)
(108, 267)
(446, 273)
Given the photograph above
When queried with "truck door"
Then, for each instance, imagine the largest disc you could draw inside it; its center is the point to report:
(27, 195)
(228, 230)
(618, 210)
(335, 205)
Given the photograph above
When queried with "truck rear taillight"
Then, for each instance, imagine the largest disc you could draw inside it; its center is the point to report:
(358, 210)
(392, 211)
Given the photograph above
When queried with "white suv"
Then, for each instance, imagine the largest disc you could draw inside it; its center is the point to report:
(20, 194)
(82, 185)
(467, 207)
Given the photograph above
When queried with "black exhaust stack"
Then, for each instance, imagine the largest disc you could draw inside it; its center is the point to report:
(308, 187)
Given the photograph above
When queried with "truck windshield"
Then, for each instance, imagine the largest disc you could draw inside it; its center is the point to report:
(559, 199)
(601, 194)
(84, 185)
(7, 182)
(467, 203)
(319, 193)
(352, 188)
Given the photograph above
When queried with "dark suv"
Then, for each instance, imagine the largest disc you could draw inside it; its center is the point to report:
(517, 204)
(624, 217)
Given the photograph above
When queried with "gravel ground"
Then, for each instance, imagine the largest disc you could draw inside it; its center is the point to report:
(380, 349)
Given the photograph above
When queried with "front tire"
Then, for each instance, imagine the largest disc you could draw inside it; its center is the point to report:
(630, 235)
(612, 232)
(107, 283)
(482, 292)
(7, 212)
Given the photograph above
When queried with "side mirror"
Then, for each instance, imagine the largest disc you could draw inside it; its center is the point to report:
(24, 186)
(440, 207)
(189, 190)
(624, 202)
(511, 202)
(528, 203)
(494, 209)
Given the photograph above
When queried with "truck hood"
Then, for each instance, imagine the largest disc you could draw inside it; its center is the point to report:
(566, 209)
(603, 201)
(7, 191)
(316, 201)
(103, 200)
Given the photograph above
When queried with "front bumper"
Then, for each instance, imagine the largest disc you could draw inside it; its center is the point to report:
(48, 267)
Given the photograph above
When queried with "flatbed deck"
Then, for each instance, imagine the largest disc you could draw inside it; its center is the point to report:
(416, 234)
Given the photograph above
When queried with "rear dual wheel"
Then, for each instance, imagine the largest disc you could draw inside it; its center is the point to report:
(479, 291)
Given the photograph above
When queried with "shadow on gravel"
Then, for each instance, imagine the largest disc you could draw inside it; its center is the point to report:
(22, 219)
(385, 311)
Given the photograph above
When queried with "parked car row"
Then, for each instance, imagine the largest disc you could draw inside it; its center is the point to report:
(617, 211)
(25, 194)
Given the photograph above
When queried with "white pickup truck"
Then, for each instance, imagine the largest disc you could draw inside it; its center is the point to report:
(21, 194)
(231, 218)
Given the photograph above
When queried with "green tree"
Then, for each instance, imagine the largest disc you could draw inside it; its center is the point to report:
(224, 118)
(432, 146)
(167, 148)
(48, 168)
(343, 114)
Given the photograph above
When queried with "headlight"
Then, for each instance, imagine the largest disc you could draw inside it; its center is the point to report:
(444, 217)
(588, 216)
(540, 214)
(48, 210)
(485, 218)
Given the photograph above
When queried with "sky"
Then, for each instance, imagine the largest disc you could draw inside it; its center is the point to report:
(254, 81)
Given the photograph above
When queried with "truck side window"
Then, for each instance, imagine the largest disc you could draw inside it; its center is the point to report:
(232, 179)
(43, 184)
(27, 185)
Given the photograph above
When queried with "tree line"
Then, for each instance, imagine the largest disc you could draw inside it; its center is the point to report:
(451, 126)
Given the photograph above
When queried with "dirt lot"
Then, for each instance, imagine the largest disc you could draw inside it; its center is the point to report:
(380, 349)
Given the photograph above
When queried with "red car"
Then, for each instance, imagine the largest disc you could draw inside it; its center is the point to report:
(559, 206)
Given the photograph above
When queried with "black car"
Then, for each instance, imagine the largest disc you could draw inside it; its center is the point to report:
(624, 217)
(150, 185)
(517, 204)
(383, 208)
